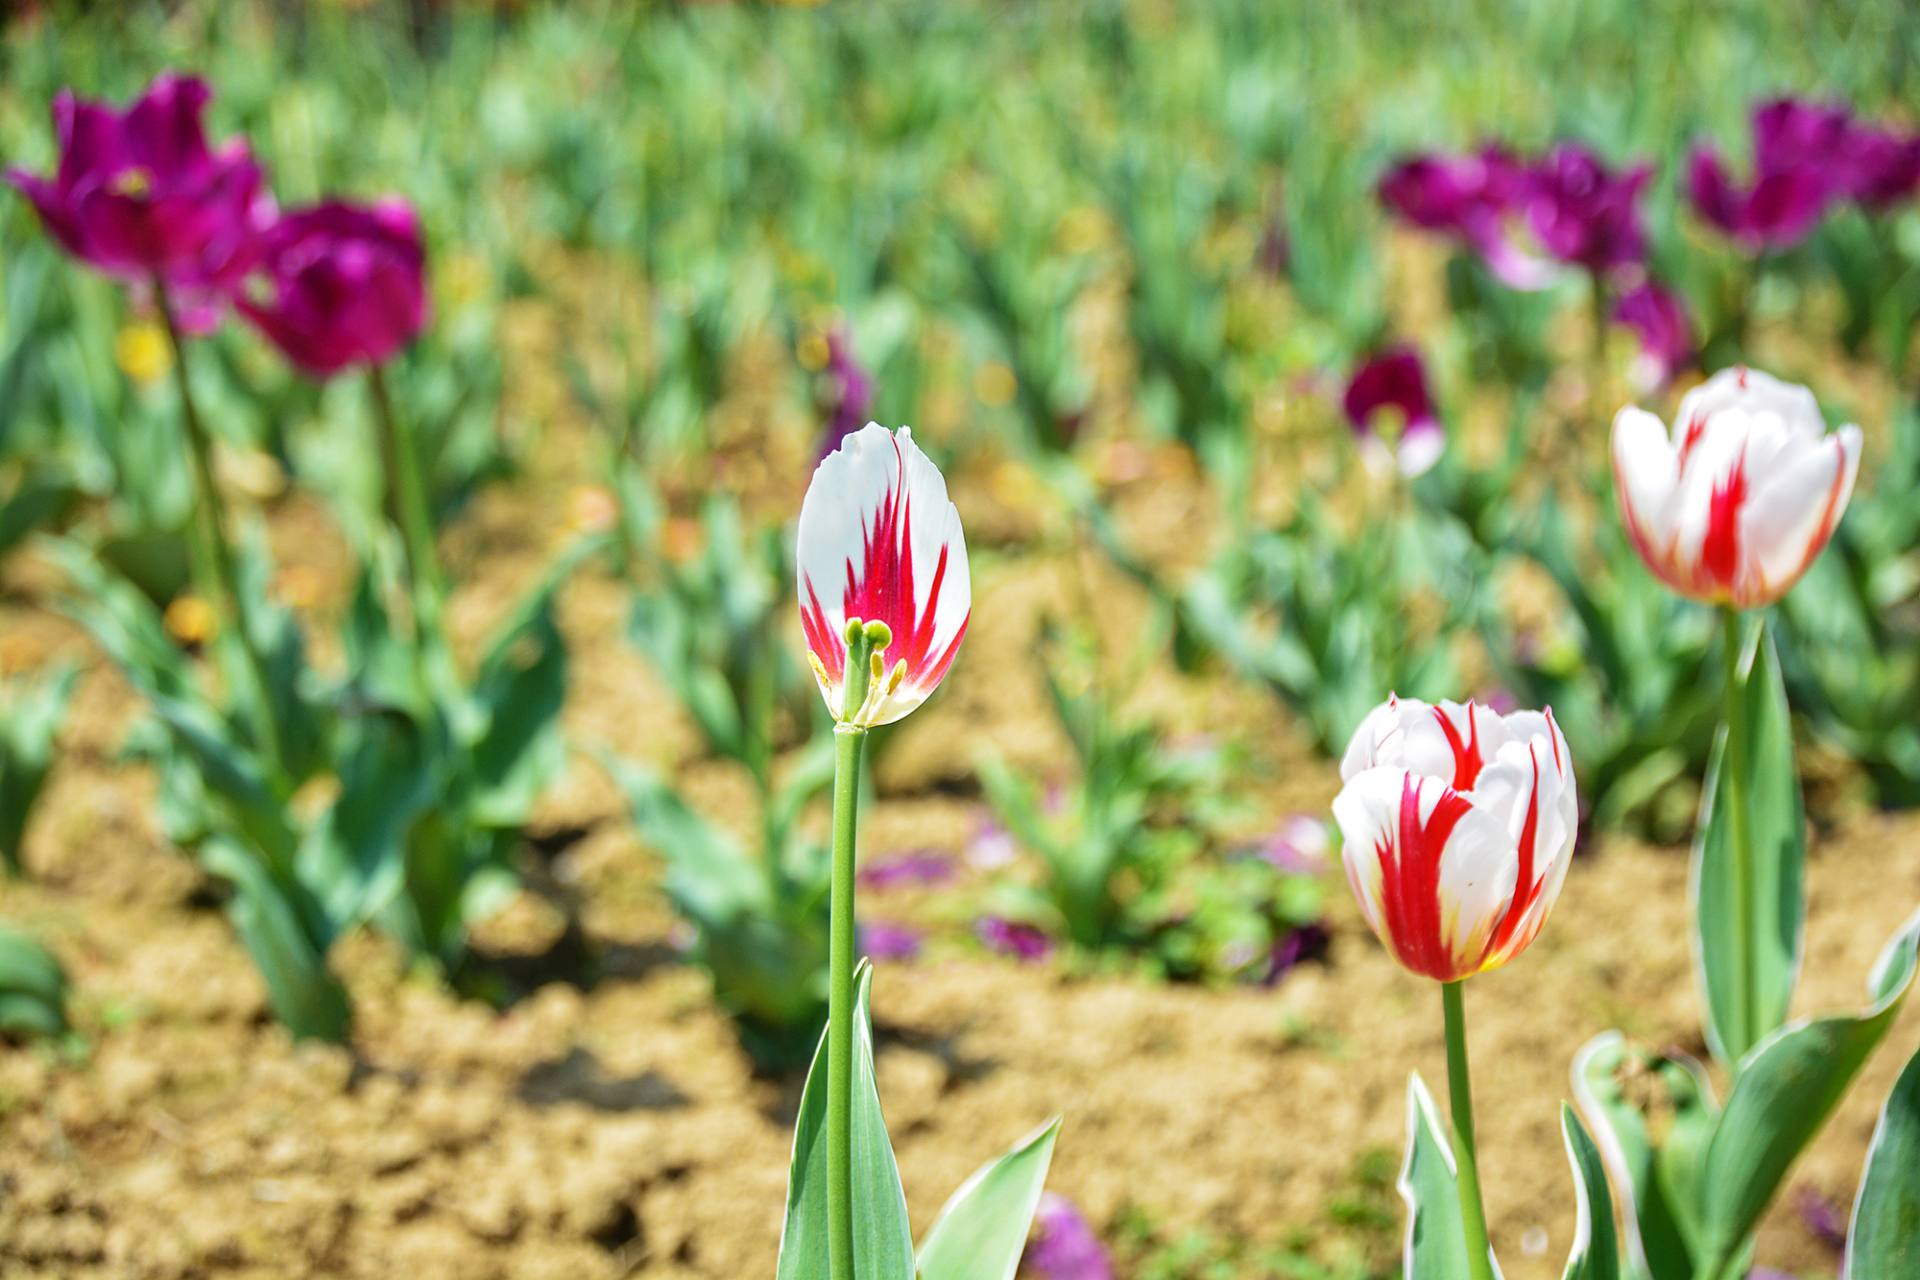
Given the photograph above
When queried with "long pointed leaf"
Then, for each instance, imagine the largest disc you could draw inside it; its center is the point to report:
(982, 1231)
(882, 1241)
(1596, 1251)
(1436, 1245)
(1884, 1241)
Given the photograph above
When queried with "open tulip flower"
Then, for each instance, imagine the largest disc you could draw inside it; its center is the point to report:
(1585, 213)
(344, 284)
(879, 543)
(1459, 827)
(1477, 198)
(139, 195)
(1396, 379)
(1734, 505)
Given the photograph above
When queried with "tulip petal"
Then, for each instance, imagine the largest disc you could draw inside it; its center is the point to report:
(1646, 472)
(1790, 517)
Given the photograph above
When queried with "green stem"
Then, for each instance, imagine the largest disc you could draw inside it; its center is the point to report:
(1473, 1215)
(222, 576)
(407, 497)
(1733, 777)
(848, 741)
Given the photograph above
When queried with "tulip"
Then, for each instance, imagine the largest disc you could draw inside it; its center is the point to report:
(849, 392)
(1013, 938)
(1064, 1246)
(1586, 214)
(917, 867)
(1458, 828)
(1477, 199)
(1776, 212)
(880, 545)
(139, 195)
(343, 285)
(1736, 504)
(1880, 168)
(1396, 379)
(1659, 319)
(880, 539)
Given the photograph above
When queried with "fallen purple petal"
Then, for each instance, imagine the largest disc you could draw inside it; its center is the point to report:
(1014, 938)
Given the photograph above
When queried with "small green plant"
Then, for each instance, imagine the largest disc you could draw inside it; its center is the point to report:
(31, 712)
(33, 989)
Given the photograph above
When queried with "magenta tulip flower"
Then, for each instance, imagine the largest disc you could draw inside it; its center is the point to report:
(1064, 1246)
(1880, 168)
(849, 392)
(343, 285)
(1798, 154)
(1586, 214)
(1659, 319)
(1396, 379)
(140, 196)
(1477, 199)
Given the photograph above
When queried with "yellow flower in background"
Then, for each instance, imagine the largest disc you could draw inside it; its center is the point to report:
(191, 620)
(995, 384)
(140, 349)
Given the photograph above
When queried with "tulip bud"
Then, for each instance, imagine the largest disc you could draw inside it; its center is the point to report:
(1459, 826)
(1733, 507)
(882, 571)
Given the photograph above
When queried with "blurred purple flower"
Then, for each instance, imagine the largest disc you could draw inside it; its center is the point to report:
(884, 940)
(848, 393)
(345, 285)
(1827, 1223)
(1013, 938)
(1064, 1246)
(140, 196)
(1475, 198)
(1586, 214)
(914, 867)
(1881, 167)
(992, 845)
(1396, 379)
(1659, 319)
(1799, 170)
(1299, 846)
(1301, 944)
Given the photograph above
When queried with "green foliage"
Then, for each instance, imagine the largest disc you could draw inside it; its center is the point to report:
(33, 989)
(1595, 1254)
(31, 712)
(1436, 1244)
(982, 1229)
(1885, 1236)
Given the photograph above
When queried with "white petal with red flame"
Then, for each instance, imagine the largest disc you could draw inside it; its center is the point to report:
(1735, 503)
(879, 541)
(1459, 827)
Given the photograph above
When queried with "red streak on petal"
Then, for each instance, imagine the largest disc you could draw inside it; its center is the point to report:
(1467, 761)
(1720, 549)
(1410, 882)
(1527, 887)
(1766, 592)
(1696, 428)
(827, 644)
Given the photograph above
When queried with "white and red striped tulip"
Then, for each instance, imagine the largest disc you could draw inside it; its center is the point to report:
(1733, 505)
(1459, 827)
(880, 542)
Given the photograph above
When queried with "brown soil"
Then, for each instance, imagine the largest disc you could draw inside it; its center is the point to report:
(615, 1128)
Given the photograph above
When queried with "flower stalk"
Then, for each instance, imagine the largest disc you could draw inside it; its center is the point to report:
(410, 507)
(866, 644)
(1473, 1214)
(216, 552)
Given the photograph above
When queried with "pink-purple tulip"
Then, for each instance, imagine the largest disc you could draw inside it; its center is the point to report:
(138, 194)
(342, 285)
(1478, 199)
(1014, 938)
(1459, 827)
(1732, 506)
(1584, 213)
(901, 870)
(1396, 379)
(880, 542)
(1064, 1246)
(884, 941)
(1881, 167)
(1659, 319)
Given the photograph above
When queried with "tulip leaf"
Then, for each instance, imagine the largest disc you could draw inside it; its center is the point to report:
(882, 1240)
(30, 716)
(1885, 1237)
(1788, 1086)
(1596, 1250)
(33, 988)
(982, 1230)
(1436, 1244)
(1748, 956)
(280, 936)
(1660, 1179)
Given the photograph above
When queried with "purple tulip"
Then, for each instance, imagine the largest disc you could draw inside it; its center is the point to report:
(344, 284)
(1396, 379)
(1064, 1246)
(1301, 944)
(849, 392)
(1659, 319)
(1586, 214)
(1790, 134)
(1475, 198)
(1777, 211)
(915, 867)
(1013, 938)
(1298, 847)
(140, 196)
(1880, 168)
(884, 940)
